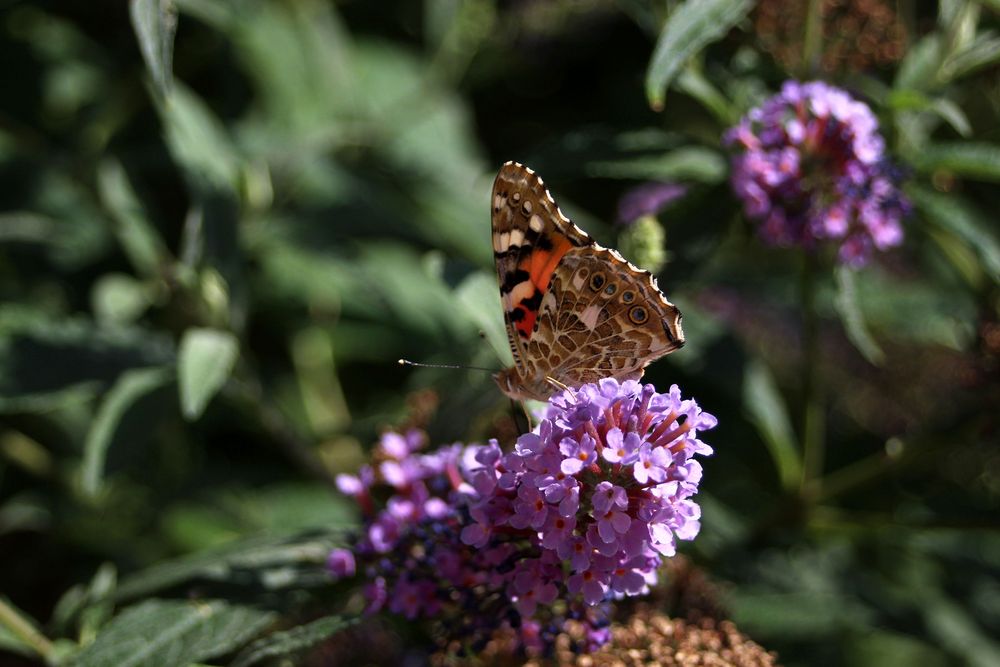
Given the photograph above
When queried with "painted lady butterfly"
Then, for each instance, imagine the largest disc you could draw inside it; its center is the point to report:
(575, 312)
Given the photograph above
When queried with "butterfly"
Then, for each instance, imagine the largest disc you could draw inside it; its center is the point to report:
(575, 312)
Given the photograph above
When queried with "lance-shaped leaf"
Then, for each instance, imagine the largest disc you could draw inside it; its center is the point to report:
(690, 28)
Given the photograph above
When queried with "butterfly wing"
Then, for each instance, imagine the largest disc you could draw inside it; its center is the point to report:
(530, 237)
(575, 312)
(602, 317)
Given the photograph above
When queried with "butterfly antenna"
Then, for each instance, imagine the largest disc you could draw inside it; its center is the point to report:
(407, 362)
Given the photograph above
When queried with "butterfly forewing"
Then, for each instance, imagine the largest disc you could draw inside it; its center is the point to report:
(575, 312)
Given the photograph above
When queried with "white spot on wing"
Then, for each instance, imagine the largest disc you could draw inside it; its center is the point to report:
(589, 316)
(536, 223)
(522, 290)
(516, 237)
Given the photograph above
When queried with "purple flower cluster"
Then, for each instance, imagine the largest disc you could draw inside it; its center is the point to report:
(811, 165)
(582, 511)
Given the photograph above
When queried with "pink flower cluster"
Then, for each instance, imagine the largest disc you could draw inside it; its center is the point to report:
(582, 511)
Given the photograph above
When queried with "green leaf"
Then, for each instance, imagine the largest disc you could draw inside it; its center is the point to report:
(919, 68)
(768, 412)
(481, 302)
(204, 362)
(916, 310)
(237, 562)
(875, 648)
(944, 108)
(130, 387)
(198, 141)
(983, 51)
(19, 633)
(46, 362)
(693, 82)
(846, 303)
(959, 217)
(954, 628)
(173, 633)
(690, 28)
(973, 160)
(290, 642)
(142, 245)
(690, 162)
(155, 22)
(118, 298)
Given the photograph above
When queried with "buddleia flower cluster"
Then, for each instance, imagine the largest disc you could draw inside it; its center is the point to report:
(582, 511)
(810, 166)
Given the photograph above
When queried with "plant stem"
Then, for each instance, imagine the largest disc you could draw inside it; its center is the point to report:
(813, 418)
(812, 44)
(12, 619)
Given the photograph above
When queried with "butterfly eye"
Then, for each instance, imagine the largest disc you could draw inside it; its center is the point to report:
(611, 289)
(628, 296)
(597, 281)
(638, 315)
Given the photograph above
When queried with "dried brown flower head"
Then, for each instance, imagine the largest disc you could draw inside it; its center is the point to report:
(857, 34)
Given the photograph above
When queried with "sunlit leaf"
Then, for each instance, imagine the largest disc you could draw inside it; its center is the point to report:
(119, 298)
(199, 142)
(291, 642)
(155, 22)
(982, 52)
(691, 27)
(129, 388)
(173, 633)
(919, 68)
(204, 361)
(481, 302)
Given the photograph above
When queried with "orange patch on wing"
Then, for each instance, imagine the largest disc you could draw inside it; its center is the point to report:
(527, 324)
(539, 265)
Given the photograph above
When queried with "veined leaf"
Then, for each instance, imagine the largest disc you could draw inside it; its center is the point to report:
(155, 22)
(130, 387)
(292, 641)
(691, 27)
(173, 633)
(205, 360)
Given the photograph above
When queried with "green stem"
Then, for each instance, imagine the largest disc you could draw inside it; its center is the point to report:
(12, 619)
(814, 416)
(812, 44)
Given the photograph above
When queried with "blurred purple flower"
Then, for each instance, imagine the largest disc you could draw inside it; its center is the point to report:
(648, 199)
(810, 165)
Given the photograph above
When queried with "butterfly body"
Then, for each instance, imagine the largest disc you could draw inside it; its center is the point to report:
(575, 312)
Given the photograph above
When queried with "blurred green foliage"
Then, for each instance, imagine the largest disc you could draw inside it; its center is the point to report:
(224, 220)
